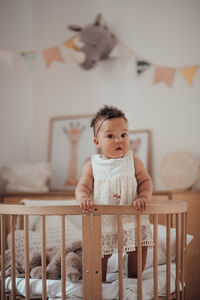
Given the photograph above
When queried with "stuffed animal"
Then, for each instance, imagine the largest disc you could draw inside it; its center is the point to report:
(94, 42)
(73, 260)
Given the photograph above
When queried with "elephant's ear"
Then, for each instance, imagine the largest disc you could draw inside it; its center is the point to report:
(75, 28)
(98, 20)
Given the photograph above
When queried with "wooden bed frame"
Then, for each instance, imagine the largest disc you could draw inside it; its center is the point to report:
(173, 212)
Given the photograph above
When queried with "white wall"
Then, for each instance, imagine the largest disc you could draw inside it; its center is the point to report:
(164, 32)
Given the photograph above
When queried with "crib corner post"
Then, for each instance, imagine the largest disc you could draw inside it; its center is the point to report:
(92, 273)
(87, 257)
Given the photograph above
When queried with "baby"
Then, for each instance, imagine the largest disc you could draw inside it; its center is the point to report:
(116, 177)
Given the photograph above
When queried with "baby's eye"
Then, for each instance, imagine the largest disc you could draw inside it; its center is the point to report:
(110, 136)
(124, 135)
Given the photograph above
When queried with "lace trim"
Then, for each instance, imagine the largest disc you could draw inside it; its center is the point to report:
(128, 249)
(110, 240)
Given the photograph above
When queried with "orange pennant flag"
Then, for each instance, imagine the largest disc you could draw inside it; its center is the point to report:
(164, 74)
(52, 54)
(70, 44)
(189, 73)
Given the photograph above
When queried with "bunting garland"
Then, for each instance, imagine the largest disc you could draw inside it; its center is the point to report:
(52, 54)
(29, 57)
(121, 51)
(164, 74)
(142, 66)
(6, 57)
(189, 73)
(71, 44)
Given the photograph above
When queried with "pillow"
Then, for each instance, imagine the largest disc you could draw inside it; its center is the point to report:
(162, 246)
(48, 202)
(26, 177)
(53, 222)
(113, 260)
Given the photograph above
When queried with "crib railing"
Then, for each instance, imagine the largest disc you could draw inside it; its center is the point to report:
(91, 245)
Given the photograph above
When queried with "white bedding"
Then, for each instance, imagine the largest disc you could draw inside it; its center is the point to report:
(110, 291)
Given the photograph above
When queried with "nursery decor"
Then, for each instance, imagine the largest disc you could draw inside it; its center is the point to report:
(140, 144)
(29, 57)
(95, 41)
(71, 145)
(164, 74)
(26, 177)
(52, 54)
(142, 66)
(180, 170)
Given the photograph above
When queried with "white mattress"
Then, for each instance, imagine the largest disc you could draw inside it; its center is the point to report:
(110, 291)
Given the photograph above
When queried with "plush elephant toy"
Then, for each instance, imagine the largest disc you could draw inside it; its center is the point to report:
(94, 42)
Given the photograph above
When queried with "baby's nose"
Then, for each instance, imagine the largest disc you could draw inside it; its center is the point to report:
(118, 140)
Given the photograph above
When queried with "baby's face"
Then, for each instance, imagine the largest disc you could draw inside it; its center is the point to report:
(113, 138)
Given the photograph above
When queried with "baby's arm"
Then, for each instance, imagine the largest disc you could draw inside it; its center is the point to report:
(145, 185)
(85, 187)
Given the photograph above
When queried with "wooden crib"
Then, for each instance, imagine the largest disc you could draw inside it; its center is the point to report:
(172, 213)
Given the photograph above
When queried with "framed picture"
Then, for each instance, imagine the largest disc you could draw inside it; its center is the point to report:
(140, 144)
(70, 146)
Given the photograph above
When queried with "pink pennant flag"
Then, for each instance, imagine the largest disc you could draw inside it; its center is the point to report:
(52, 54)
(164, 74)
(189, 73)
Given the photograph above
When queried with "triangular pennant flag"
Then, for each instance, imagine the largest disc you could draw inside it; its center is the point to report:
(29, 57)
(71, 44)
(142, 66)
(123, 52)
(6, 57)
(52, 54)
(189, 73)
(164, 74)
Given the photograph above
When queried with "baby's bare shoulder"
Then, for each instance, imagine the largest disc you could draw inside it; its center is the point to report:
(87, 168)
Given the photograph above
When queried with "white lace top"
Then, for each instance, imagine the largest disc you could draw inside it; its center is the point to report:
(115, 184)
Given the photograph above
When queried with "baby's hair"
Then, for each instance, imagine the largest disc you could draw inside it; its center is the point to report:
(106, 113)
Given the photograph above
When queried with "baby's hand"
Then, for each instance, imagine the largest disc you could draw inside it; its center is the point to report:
(140, 203)
(85, 204)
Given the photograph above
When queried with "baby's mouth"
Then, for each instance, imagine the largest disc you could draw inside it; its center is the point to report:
(118, 148)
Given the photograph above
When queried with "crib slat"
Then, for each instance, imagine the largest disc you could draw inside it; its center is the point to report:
(13, 255)
(139, 257)
(173, 220)
(21, 223)
(63, 263)
(120, 259)
(87, 257)
(178, 256)
(155, 235)
(26, 235)
(43, 258)
(168, 242)
(183, 245)
(2, 256)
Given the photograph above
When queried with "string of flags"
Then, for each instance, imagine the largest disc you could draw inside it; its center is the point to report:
(161, 73)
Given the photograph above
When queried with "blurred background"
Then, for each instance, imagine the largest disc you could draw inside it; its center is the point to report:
(162, 33)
